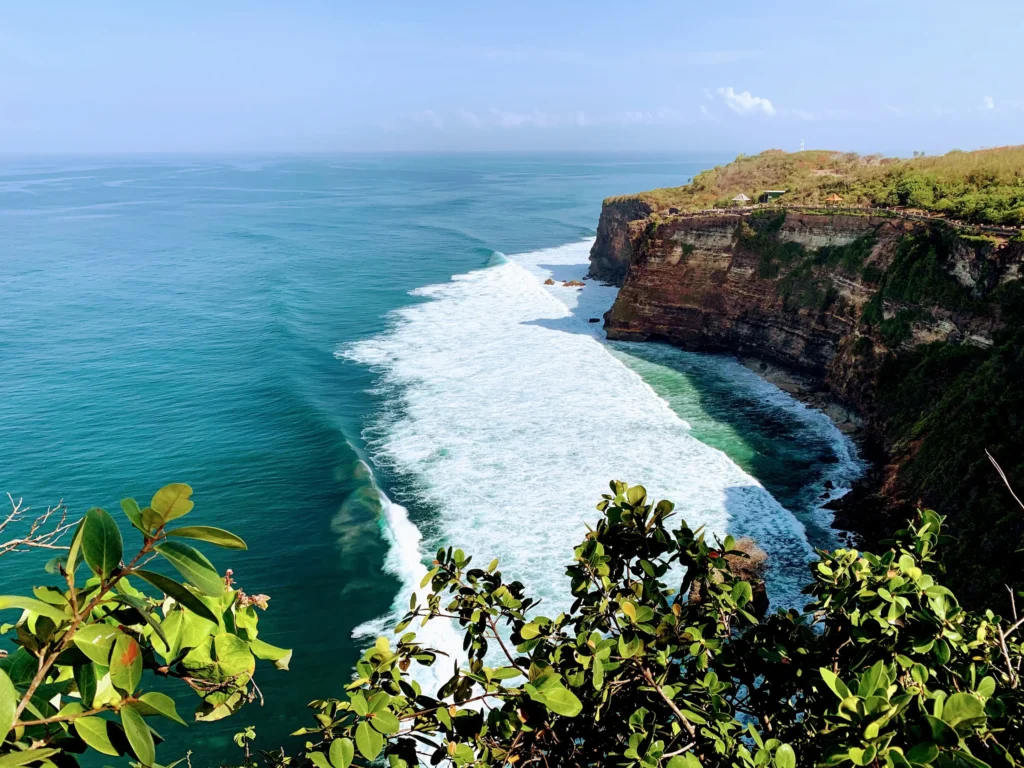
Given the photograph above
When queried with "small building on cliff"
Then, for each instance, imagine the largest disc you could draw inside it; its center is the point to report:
(741, 199)
(770, 195)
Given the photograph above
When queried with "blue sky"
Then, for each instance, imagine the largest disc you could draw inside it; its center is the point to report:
(872, 75)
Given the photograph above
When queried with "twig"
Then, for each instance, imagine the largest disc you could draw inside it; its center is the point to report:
(671, 704)
(1005, 479)
(37, 537)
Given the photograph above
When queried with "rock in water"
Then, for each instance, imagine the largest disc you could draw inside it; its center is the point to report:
(750, 566)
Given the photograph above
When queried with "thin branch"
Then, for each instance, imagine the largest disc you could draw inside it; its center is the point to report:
(1005, 479)
(43, 533)
(671, 704)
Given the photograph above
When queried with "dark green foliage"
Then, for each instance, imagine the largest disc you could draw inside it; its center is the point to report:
(806, 284)
(898, 328)
(883, 668)
(761, 236)
(802, 288)
(945, 405)
(850, 256)
(918, 273)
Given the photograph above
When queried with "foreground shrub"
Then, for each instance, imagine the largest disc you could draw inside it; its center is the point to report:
(883, 667)
(89, 650)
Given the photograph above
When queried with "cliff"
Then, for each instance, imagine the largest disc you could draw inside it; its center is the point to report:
(905, 321)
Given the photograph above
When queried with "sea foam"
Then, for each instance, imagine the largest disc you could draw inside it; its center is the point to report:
(506, 416)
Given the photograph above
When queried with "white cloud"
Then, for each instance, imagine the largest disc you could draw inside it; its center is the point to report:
(431, 117)
(744, 102)
(471, 119)
(988, 103)
(535, 119)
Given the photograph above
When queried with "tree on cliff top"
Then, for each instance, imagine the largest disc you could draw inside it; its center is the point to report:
(882, 668)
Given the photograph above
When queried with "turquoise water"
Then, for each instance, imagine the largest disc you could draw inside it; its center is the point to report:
(285, 335)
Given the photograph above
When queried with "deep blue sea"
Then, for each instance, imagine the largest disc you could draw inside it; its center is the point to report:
(353, 360)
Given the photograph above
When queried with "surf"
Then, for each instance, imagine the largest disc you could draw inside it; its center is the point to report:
(506, 413)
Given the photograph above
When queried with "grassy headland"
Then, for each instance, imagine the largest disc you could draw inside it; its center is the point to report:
(982, 187)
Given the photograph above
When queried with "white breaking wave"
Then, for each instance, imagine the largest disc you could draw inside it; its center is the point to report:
(507, 415)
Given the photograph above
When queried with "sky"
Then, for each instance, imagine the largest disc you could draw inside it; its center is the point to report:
(892, 76)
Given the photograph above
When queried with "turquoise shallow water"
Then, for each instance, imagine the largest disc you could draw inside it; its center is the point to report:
(231, 323)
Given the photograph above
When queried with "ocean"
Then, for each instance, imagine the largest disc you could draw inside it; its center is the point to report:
(354, 360)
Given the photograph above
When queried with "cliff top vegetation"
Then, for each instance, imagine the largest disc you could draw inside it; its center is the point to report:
(984, 186)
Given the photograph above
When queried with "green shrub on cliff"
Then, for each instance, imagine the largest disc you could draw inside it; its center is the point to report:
(986, 186)
(946, 405)
(661, 660)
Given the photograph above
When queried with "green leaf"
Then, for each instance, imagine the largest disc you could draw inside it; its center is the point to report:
(368, 741)
(942, 734)
(101, 542)
(785, 757)
(9, 699)
(318, 759)
(193, 565)
(35, 606)
(217, 536)
(95, 732)
(75, 549)
(629, 609)
(505, 673)
(342, 752)
(562, 701)
(155, 703)
(742, 593)
(636, 494)
(529, 631)
(385, 722)
(172, 501)
(833, 682)
(923, 753)
(13, 759)
(598, 674)
(223, 660)
(179, 592)
(139, 735)
(134, 514)
(126, 664)
(280, 656)
(96, 641)
(85, 681)
(960, 707)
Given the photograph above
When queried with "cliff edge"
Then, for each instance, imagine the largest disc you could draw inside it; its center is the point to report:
(914, 323)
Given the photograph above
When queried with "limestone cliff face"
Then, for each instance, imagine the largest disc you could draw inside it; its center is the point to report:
(619, 228)
(757, 284)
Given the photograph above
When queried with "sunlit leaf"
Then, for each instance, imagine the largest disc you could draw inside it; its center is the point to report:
(193, 566)
(139, 735)
(179, 592)
(217, 536)
(172, 501)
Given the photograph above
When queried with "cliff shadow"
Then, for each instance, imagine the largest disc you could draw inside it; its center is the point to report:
(797, 454)
(586, 318)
